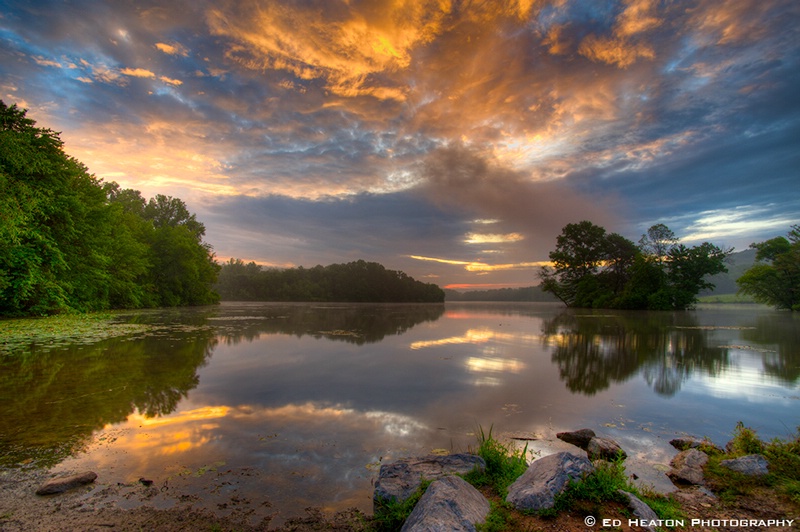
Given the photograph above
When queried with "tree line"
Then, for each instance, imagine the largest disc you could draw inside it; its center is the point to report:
(527, 293)
(358, 281)
(70, 242)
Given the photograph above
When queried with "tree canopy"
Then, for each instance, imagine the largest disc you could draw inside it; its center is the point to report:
(358, 281)
(68, 241)
(775, 278)
(594, 268)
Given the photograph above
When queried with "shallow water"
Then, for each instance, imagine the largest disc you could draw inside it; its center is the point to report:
(284, 406)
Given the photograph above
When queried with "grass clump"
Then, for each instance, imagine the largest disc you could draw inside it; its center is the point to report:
(503, 464)
(390, 514)
(783, 458)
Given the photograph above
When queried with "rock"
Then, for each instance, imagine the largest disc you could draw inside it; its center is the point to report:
(449, 504)
(545, 478)
(579, 438)
(754, 465)
(691, 442)
(687, 467)
(399, 480)
(640, 510)
(62, 484)
(604, 449)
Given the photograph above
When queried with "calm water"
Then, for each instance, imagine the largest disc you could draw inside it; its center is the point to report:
(286, 406)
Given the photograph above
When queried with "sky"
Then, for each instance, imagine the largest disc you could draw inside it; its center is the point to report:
(452, 140)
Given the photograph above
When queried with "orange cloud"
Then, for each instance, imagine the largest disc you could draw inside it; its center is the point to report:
(172, 49)
(638, 17)
(482, 267)
(476, 238)
(614, 51)
(137, 73)
(170, 81)
(342, 46)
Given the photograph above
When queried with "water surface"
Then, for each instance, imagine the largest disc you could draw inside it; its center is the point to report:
(284, 406)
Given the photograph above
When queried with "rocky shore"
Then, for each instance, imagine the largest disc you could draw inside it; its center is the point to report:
(449, 503)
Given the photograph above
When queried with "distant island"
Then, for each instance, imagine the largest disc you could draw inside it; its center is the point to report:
(358, 281)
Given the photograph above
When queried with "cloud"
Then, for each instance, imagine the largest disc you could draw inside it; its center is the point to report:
(531, 114)
(137, 73)
(625, 46)
(349, 48)
(170, 81)
(172, 49)
(461, 178)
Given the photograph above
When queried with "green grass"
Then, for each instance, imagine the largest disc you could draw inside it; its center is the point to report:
(783, 457)
(503, 464)
(726, 299)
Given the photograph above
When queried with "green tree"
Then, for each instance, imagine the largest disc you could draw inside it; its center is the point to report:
(70, 242)
(775, 278)
(592, 268)
(580, 251)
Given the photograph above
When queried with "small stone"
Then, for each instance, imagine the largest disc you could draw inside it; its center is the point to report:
(691, 442)
(62, 484)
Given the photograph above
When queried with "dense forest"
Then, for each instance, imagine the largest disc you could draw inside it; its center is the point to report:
(69, 241)
(357, 281)
(596, 269)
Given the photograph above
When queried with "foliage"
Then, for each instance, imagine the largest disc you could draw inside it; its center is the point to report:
(503, 465)
(783, 458)
(775, 278)
(357, 281)
(70, 242)
(595, 269)
(745, 441)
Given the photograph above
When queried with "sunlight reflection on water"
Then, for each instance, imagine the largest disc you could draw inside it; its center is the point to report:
(288, 406)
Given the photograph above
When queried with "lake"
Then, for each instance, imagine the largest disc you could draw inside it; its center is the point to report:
(268, 408)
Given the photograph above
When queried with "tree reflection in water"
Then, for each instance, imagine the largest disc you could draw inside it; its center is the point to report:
(54, 400)
(593, 349)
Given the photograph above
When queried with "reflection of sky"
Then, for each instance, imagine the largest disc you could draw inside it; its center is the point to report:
(286, 417)
(745, 380)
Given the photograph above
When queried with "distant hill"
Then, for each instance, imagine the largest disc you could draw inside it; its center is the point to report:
(725, 283)
(529, 293)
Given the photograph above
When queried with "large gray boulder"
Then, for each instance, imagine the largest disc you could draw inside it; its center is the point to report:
(754, 465)
(399, 480)
(687, 467)
(449, 504)
(545, 478)
(604, 449)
